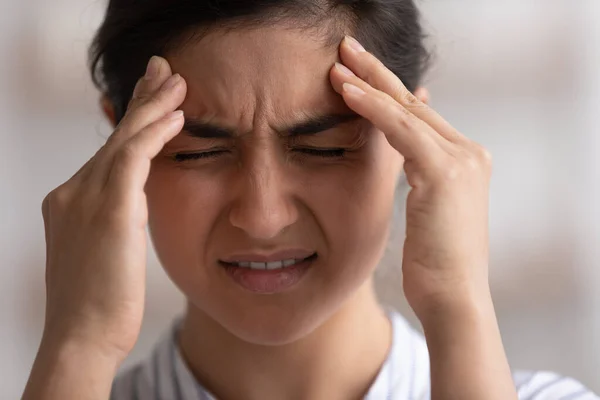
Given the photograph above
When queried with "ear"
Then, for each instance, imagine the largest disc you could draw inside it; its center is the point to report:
(109, 110)
(422, 94)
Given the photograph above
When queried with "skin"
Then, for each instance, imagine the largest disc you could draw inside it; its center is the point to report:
(264, 193)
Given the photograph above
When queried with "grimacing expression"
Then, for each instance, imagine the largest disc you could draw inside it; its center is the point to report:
(264, 188)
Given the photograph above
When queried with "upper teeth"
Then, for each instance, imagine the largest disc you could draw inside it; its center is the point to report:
(267, 265)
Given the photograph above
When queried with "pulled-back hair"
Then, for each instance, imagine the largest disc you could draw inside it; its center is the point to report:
(135, 30)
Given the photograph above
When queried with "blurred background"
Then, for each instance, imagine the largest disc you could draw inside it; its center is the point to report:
(521, 77)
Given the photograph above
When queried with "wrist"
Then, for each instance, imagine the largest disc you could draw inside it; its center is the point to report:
(65, 345)
(464, 341)
(72, 350)
(456, 310)
(71, 369)
(89, 337)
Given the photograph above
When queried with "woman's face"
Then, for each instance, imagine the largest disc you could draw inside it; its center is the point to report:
(290, 175)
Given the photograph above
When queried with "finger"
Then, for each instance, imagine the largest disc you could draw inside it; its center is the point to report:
(366, 66)
(151, 108)
(397, 113)
(158, 71)
(404, 131)
(340, 74)
(131, 165)
(164, 101)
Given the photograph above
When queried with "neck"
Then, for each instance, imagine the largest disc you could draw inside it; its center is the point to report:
(339, 360)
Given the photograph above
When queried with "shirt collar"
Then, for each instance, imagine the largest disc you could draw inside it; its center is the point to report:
(396, 379)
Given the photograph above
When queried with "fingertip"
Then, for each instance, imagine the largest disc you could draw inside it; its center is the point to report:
(157, 72)
(175, 115)
(353, 45)
(153, 68)
(337, 79)
(175, 121)
(351, 52)
(352, 90)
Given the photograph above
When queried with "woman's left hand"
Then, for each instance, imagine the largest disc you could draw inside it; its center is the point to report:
(446, 247)
(445, 264)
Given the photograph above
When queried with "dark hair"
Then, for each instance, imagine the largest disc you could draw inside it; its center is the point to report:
(135, 30)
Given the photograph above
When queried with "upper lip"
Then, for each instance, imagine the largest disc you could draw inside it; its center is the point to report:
(257, 256)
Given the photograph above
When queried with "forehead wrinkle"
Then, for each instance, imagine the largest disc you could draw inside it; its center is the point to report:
(261, 77)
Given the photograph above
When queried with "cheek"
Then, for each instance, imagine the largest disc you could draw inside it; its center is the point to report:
(353, 204)
(350, 203)
(182, 208)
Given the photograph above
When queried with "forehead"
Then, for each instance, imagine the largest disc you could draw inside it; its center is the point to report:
(268, 74)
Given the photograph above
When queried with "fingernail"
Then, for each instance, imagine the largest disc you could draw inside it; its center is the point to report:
(344, 69)
(171, 82)
(350, 88)
(153, 68)
(354, 45)
(176, 115)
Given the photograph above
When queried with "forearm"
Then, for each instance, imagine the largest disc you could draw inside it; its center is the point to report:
(467, 356)
(70, 371)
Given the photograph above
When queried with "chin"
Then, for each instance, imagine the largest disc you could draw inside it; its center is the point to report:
(275, 335)
(272, 325)
(275, 319)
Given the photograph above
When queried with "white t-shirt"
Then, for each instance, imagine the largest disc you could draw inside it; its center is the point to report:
(404, 375)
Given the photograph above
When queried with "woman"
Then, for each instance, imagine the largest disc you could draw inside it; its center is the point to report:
(264, 147)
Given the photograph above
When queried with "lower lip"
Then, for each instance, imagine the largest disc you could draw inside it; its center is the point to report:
(269, 281)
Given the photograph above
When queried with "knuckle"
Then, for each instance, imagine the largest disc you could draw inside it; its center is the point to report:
(45, 206)
(472, 163)
(451, 173)
(406, 97)
(479, 156)
(447, 170)
(56, 200)
(464, 167)
(156, 99)
(126, 154)
(138, 103)
(403, 116)
(147, 105)
(485, 155)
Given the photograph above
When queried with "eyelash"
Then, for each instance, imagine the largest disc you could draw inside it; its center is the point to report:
(183, 157)
(325, 153)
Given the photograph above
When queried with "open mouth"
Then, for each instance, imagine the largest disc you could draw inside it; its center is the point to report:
(271, 265)
(269, 276)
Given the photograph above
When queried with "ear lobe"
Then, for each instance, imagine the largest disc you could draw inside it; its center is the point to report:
(108, 109)
(422, 94)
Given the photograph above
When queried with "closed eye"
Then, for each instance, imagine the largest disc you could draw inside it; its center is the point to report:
(182, 157)
(326, 153)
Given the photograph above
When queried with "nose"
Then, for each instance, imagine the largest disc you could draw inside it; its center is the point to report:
(264, 204)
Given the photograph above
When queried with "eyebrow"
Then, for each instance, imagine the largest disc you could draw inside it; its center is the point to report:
(310, 126)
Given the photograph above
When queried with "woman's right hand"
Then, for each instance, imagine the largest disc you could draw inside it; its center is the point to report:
(95, 225)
